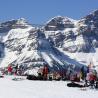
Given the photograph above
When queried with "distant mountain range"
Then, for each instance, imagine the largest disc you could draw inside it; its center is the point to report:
(58, 43)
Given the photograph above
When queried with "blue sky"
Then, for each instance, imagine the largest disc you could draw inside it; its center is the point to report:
(40, 11)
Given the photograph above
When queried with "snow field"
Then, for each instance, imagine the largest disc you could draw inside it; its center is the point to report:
(41, 89)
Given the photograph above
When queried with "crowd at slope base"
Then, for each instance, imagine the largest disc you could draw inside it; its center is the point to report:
(12, 70)
(87, 74)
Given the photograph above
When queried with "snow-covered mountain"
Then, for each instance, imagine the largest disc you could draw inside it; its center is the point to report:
(28, 46)
(71, 35)
(60, 42)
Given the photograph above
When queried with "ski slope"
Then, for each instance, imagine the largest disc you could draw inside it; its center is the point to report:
(41, 89)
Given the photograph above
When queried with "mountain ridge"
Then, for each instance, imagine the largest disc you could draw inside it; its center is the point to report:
(24, 44)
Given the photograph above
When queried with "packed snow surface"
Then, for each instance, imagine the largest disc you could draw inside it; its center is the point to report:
(41, 89)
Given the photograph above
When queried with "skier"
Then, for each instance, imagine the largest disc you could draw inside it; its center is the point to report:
(70, 71)
(15, 68)
(96, 84)
(87, 80)
(73, 76)
(78, 76)
(10, 69)
(45, 72)
(83, 73)
(92, 79)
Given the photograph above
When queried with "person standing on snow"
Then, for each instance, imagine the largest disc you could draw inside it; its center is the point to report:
(15, 68)
(10, 70)
(83, 73)
(92, 78)
(45, 72)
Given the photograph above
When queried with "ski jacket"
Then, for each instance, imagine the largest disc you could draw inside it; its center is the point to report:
(9, 69)
(45, 70)
(92, 77)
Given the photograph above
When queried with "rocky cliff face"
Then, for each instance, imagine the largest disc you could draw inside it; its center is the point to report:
(59, 23)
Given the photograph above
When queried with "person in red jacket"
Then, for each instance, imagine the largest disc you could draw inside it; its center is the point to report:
(45, 72)
(92, 79)
(10, 69)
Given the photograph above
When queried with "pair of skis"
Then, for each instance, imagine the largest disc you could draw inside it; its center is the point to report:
(18, 79)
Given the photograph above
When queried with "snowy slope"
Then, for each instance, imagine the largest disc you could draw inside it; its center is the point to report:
(41, 89)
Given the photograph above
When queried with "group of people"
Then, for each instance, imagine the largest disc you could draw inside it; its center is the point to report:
(91, 77)
(88, 74)
(42, 73)
(69, 73)
(12, 70)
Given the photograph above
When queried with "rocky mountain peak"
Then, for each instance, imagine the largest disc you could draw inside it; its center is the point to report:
(59, 23)
(91, 18)
(12, 24)
(22, 21)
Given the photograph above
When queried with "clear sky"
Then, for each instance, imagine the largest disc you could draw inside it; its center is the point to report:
(39, 11)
